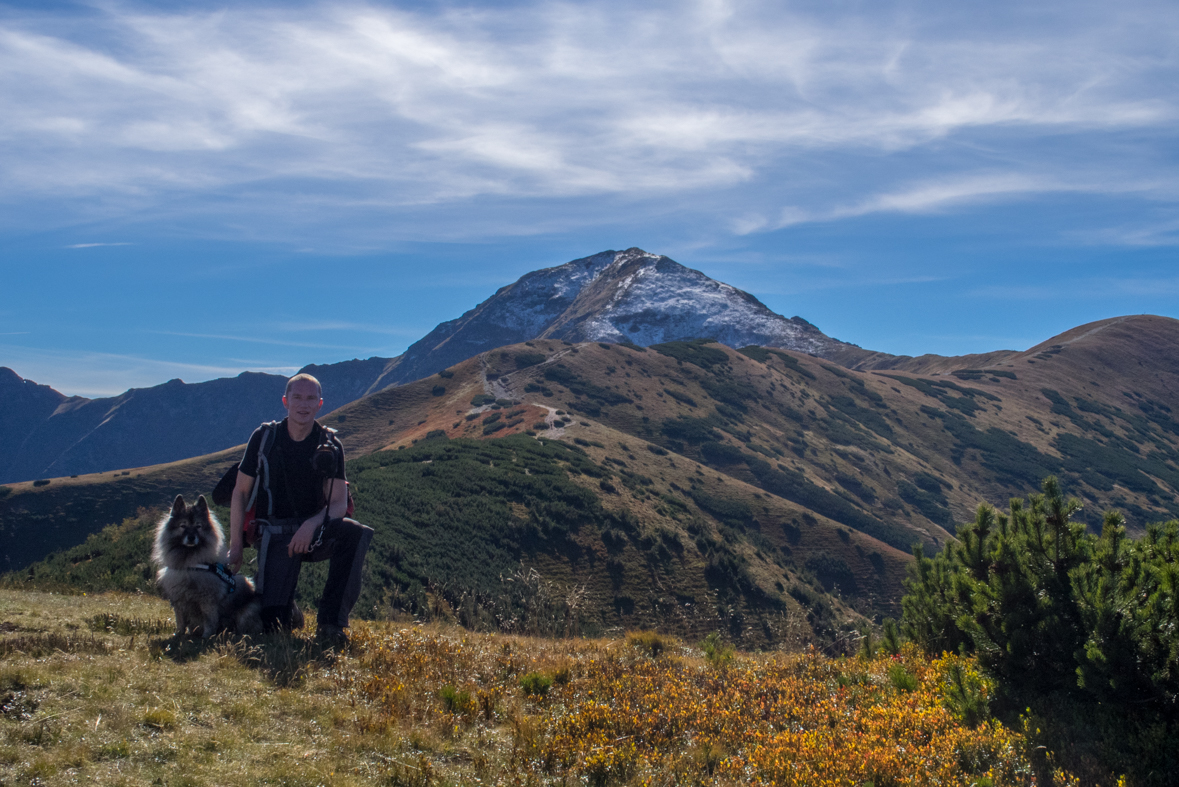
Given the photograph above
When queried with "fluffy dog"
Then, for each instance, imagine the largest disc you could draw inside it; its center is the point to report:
(190, 551)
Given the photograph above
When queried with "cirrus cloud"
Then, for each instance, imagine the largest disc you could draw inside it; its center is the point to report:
(257, 117)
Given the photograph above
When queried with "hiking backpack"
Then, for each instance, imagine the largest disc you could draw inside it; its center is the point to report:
(223, 492)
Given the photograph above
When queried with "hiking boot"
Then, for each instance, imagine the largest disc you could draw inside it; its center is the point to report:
(331, 637)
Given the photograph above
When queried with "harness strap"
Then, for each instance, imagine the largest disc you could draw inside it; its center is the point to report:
(327, 513)
(222, 572)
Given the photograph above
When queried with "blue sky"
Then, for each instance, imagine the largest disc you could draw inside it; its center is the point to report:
(190, 190)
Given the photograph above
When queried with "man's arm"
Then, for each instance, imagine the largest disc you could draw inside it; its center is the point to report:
(338, 505)
(237, 517)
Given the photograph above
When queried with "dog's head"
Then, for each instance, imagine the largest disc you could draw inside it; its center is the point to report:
(188, 535)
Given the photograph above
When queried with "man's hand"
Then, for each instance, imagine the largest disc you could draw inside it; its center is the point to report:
(235, 558)
(301, 542)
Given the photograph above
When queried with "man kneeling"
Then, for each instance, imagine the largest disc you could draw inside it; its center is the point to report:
(300, 506)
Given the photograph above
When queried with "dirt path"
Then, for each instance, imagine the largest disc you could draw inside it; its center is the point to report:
(500, 388)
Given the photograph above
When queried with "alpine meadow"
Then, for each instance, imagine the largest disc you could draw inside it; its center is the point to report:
(612, 563)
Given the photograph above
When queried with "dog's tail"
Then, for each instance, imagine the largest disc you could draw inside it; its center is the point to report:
(246, 607)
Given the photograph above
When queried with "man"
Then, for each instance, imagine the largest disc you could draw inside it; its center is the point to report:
(307, 491)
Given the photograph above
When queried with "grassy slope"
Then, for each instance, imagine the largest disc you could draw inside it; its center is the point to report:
(461, 525)
(94, 692)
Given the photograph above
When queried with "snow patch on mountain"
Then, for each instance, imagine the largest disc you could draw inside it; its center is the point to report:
(664, 301)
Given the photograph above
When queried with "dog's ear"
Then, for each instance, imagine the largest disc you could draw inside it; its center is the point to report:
(201, 506)
(178, 506)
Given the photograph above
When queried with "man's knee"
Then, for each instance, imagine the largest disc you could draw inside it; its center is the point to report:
(352, 532)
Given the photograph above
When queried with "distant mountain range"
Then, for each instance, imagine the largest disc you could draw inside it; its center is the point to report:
(628, 296)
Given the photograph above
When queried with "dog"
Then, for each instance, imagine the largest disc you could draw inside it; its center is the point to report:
(190, 551)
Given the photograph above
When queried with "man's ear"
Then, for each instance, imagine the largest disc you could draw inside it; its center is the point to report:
(284, 402)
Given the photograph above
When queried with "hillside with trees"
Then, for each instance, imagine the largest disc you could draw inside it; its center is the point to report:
(785, 480)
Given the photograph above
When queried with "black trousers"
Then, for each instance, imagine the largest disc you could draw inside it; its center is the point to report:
(345, 544)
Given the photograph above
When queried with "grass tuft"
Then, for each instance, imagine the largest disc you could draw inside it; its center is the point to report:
(648, 643)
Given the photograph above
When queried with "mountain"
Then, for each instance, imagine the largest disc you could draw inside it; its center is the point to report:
(629, 296)
(612, 296)
(53, 435)
(693, 477)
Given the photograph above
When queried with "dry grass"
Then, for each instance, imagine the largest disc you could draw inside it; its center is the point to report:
(107, 699)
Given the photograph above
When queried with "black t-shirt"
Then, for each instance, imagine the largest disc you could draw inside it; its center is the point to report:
(297, 488)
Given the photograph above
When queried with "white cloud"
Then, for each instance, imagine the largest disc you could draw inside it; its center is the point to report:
(288, 114)
(937, 195)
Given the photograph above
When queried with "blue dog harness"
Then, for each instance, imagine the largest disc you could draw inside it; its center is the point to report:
(222, 572)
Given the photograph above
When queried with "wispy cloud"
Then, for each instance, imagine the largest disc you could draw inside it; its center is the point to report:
(1148, 233)
(299, 113)
(927, 197)
(94, 245)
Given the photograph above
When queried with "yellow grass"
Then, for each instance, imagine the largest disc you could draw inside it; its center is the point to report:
(93, 693)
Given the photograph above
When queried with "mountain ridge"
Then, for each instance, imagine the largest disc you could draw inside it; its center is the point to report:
(610, 296)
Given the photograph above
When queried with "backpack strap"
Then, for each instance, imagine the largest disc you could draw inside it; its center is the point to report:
(269, 433)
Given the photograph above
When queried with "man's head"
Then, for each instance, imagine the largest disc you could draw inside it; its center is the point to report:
(303, 398)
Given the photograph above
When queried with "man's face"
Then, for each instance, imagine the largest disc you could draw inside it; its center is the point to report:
(302, 402)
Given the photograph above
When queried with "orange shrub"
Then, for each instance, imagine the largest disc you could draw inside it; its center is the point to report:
(623, 718)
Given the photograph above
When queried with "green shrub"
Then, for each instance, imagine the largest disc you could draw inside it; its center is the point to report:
(457, 702)
(721, 453)
(867, 643)
(901, 679)
(536, 684)
(690, 430)
(524, 360)
(696, 351)
(596, 394)
(717, 652)
(965, 694)
(890, 641)
(734, 513)
(1058, 615)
